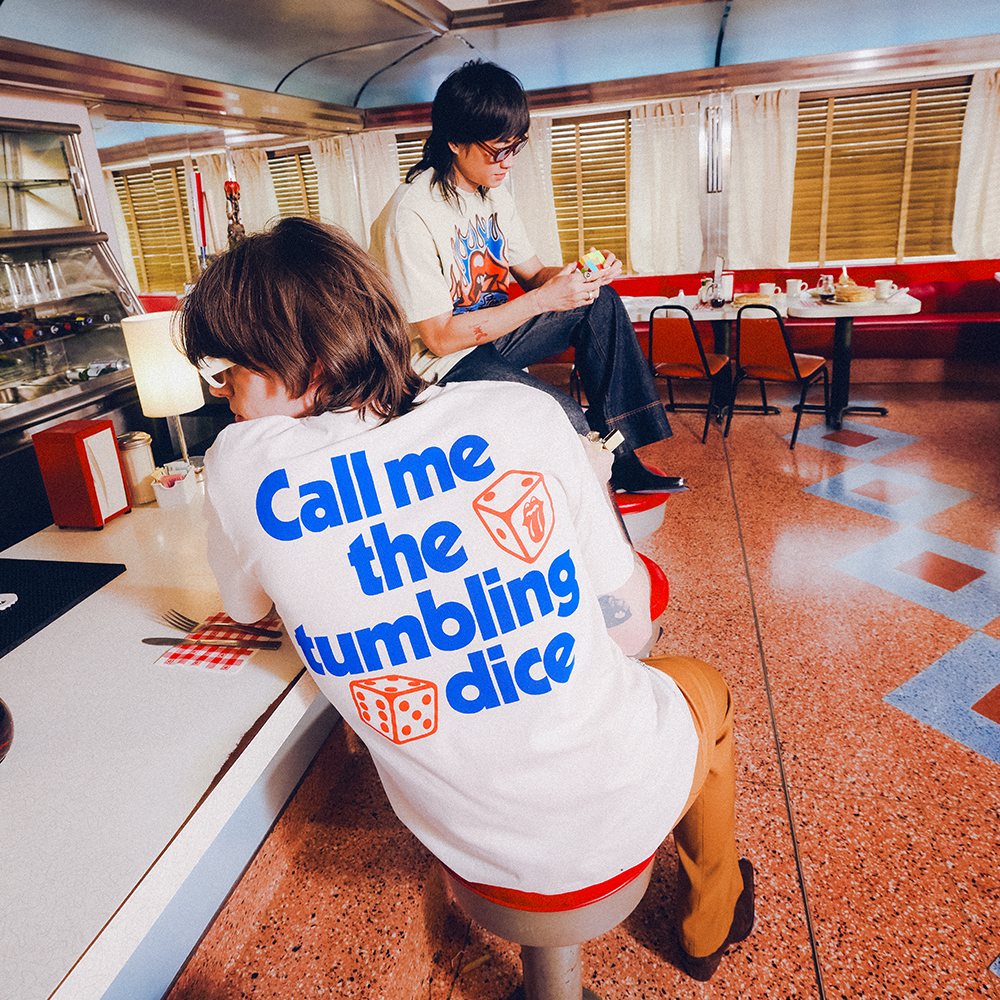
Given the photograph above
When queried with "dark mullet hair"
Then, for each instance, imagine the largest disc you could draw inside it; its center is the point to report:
(479, 102)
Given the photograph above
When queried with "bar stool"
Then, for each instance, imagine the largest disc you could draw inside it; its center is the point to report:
(552, 929)
(642, 513)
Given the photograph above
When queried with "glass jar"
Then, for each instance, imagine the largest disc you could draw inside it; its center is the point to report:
(136, 450)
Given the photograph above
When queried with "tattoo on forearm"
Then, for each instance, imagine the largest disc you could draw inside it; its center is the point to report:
(615, 610)
(480, 334)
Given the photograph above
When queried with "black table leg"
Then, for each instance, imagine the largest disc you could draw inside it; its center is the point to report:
(840, 380)
(722, 332)
(840, 383)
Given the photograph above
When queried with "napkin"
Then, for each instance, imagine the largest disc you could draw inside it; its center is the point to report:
(220, 659)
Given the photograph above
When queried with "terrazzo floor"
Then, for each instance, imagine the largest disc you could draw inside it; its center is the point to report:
(850, 592)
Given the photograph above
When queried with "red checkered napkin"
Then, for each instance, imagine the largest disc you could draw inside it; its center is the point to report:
(221, 659)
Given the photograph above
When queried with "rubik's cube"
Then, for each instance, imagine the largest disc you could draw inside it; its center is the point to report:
(590, 262)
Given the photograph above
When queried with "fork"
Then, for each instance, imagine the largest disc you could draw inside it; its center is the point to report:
(184, 624)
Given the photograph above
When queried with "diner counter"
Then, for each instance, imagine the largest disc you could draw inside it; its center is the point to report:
(124, 772)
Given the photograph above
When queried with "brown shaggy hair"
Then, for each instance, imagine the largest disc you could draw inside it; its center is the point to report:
(303, 302)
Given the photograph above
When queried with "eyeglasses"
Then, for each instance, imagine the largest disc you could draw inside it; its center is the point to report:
(211, 368)
(499, 155)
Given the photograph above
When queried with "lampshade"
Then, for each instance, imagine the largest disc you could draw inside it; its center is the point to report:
(167, 382)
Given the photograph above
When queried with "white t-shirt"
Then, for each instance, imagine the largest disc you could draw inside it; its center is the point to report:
(444, 257)
(440, 576)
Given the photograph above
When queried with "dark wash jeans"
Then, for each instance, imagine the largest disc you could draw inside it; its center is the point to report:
(613, 370)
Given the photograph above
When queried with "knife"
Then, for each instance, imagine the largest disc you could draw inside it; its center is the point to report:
(237, 643)
(266, 633)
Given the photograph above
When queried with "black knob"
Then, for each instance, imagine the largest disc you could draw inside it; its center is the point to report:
(6, 729)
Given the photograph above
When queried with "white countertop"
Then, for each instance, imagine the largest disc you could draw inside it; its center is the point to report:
(102, 815)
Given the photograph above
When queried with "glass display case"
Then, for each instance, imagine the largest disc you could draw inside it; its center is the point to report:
(62, 291)
(42, 184)
(60, 332)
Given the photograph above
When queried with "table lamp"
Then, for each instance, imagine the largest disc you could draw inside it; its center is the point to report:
(167, 383)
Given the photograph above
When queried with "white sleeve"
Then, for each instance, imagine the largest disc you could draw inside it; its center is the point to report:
(243, 598)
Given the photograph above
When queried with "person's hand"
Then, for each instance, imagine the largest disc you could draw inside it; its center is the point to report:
(566, 290)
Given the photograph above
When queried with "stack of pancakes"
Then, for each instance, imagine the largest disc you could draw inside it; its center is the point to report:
(848, 290)
(753, 299)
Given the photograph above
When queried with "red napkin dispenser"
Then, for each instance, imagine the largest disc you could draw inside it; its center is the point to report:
(83, 473)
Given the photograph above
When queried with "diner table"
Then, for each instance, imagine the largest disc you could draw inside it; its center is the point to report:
(135, 790)
(722, 317)
(844, 314)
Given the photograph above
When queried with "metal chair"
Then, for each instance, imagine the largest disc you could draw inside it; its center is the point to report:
(682, 355)
(764, 352)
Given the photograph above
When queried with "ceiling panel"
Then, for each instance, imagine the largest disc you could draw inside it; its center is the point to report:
(384, 53)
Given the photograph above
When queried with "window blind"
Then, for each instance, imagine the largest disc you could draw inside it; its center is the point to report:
(590, 160)
(409, 148)
(155, 204)
(296, 183)
(875, 173)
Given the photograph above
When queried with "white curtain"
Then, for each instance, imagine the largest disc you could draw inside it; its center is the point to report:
(665, 234)
(531, 184)
(762, 178)
(258, 202)
(213, 176)
(357, 175)
(975, 230)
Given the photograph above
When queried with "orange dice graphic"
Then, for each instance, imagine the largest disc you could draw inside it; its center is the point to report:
(517, 512)
(401, 708)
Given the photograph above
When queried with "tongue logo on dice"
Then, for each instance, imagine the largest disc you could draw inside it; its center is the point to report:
(517, 512)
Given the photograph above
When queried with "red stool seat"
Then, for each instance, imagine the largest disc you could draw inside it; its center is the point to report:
(536, 902)
(642, 513)
(659, 592)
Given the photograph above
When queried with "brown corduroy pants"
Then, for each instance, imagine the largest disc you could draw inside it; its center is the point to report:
(705, 836)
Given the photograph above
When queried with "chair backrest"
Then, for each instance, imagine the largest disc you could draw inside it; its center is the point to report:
(672, 331)
(762, 341)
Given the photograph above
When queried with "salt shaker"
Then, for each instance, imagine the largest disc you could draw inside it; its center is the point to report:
(137, 457)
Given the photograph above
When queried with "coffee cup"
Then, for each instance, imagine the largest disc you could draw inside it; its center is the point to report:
(794, 287)
(884, 288)
(767, 287)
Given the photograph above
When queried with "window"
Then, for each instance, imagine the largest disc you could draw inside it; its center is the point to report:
(875, 173)
(590, 182)
(155, 203)
(295, 183)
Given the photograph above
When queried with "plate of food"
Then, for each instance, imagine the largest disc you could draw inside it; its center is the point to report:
(849, 295)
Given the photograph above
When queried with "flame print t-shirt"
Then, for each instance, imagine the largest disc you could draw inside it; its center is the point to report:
(439, 576)
(442, 257)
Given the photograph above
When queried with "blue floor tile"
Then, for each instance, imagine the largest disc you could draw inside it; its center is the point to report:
(942, 696)
(976, 604)
(886, 441)
(932, 497)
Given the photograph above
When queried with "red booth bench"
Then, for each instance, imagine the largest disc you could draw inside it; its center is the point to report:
(959, 314)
